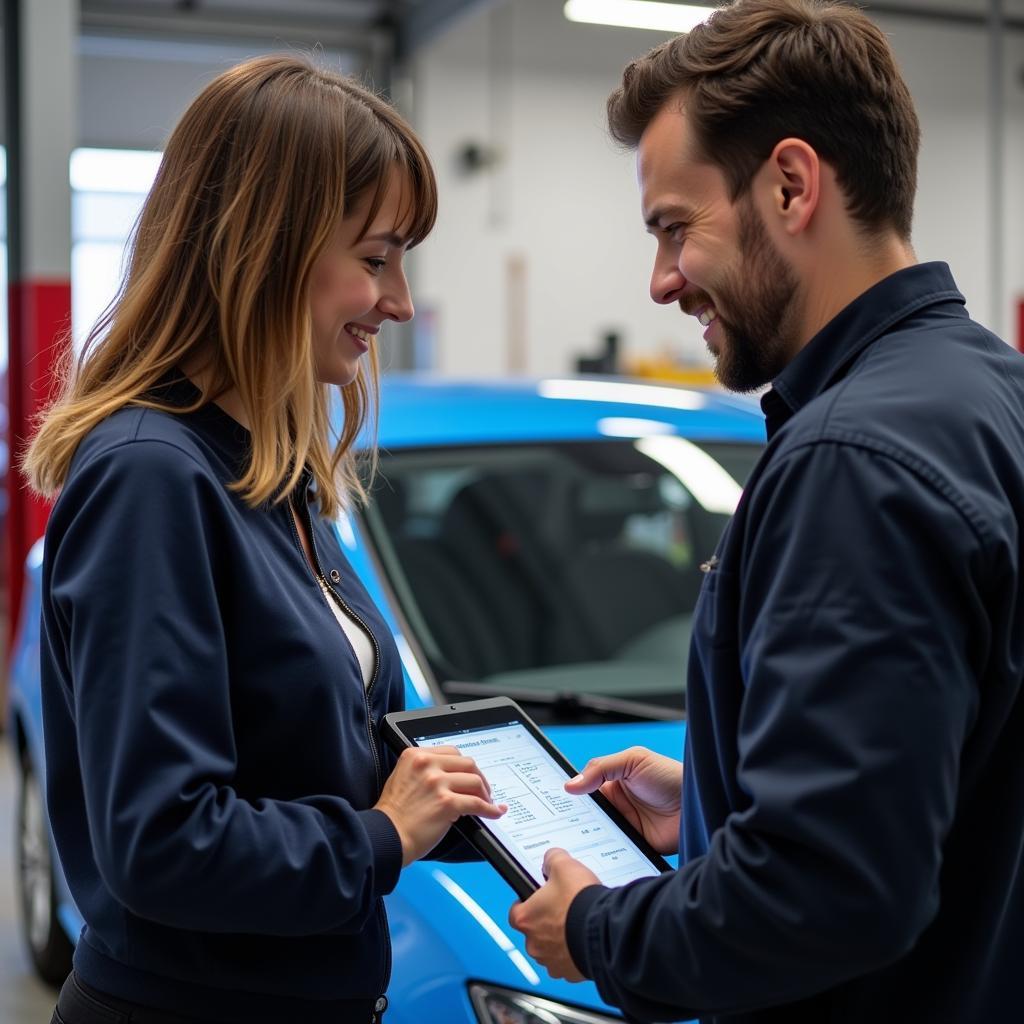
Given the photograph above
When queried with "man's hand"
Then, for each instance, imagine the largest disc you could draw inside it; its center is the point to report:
(644, 787)
(541, 918)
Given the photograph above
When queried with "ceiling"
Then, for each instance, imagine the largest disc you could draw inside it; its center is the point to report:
(354, 24)
(950, 10)
(400, 26)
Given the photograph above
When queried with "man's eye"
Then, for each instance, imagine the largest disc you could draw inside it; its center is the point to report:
(676, 232)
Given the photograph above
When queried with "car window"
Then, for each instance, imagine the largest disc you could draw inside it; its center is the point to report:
(569, 567)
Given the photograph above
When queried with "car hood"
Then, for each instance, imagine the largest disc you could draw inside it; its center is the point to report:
(449, 922)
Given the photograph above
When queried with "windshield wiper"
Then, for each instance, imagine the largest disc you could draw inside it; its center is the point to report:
(565, 703)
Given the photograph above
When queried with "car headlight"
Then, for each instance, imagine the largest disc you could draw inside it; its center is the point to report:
(495, 1005)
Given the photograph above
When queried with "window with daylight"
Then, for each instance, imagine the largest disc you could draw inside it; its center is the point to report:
(108, 187)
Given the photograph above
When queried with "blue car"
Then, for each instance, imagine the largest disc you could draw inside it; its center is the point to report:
(541, 540)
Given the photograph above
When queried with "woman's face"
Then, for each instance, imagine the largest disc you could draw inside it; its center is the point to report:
(357, 284)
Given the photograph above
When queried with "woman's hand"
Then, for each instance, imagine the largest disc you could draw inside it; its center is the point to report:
(644, 787)
(430, 789)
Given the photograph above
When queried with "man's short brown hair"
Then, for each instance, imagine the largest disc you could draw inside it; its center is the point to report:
(759, 71)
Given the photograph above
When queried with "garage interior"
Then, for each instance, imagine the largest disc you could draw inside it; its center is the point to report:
(539, 263)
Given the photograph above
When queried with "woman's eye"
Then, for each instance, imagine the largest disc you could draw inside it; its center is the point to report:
(376, 263)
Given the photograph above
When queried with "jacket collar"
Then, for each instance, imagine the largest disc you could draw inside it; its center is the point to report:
(828, 356)
(224, 432)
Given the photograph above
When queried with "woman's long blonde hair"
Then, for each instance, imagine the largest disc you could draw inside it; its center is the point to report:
(251, 187)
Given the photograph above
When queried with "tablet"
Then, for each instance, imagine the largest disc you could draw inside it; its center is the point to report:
(527, 772)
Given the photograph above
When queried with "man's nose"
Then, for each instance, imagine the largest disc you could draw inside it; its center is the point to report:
(667, 283)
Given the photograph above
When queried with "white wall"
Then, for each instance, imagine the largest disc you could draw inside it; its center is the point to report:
(564, 200)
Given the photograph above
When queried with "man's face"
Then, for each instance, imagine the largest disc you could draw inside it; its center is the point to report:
(715, 258)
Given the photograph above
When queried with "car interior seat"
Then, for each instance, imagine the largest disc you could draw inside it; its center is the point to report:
(460, 637)
(624, 589)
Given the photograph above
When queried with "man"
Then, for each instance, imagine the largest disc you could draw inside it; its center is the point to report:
(852, 829)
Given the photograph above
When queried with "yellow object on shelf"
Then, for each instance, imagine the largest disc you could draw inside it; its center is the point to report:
(672, 372)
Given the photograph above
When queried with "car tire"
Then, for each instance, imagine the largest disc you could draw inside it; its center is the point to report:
(48, 944)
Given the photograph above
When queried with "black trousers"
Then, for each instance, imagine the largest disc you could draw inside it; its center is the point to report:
(79, 1003)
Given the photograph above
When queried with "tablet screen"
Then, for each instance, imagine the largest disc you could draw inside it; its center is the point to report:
(540, 813)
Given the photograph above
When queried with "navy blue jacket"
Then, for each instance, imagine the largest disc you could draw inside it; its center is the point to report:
(852, 842)
(211, 755)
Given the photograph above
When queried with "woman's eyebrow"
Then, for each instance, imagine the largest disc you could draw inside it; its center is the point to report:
(386, 236)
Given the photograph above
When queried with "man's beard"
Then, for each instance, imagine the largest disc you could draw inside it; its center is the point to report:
(759, 333)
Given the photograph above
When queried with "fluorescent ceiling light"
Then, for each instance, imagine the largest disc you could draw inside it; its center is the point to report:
(637, 14)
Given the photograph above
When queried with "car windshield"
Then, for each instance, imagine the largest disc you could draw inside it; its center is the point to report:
(561, 569)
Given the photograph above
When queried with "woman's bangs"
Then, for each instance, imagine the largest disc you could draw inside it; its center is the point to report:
(419, 190)
(417, 207)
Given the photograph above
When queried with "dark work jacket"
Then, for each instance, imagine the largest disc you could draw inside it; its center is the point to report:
(853, 808)
(212, 757)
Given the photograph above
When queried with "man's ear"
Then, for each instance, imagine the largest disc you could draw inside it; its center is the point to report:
(794, 177)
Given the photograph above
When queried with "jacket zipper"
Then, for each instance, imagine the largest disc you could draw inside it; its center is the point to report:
(324, 588)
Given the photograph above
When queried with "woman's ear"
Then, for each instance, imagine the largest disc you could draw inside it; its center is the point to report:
(794, 177)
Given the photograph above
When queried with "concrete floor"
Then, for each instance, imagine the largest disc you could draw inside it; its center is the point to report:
(23, 998)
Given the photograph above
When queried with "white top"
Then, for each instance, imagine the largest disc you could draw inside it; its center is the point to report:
(357, 636)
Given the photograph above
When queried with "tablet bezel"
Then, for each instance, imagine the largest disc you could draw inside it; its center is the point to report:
(399, 727)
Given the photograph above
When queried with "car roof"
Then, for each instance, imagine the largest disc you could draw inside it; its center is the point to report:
(425, 411)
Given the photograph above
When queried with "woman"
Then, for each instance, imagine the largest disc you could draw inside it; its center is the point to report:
(213, 673)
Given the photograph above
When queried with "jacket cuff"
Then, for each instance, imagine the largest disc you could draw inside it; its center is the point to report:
(576, 925)
(454, 848)
(387, 849)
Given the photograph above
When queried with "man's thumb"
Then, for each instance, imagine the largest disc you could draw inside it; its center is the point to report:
(591, 778)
